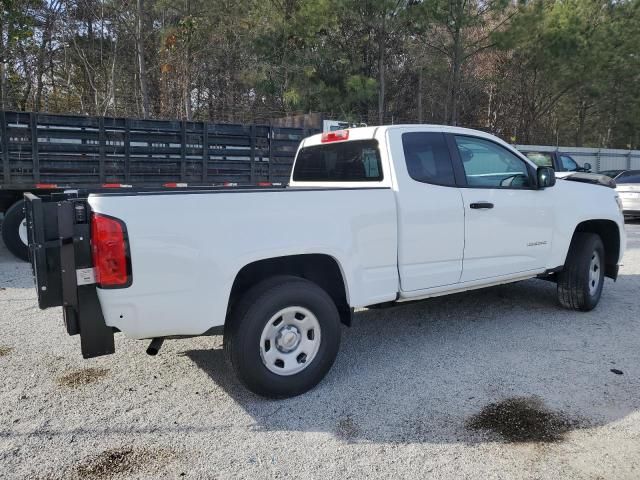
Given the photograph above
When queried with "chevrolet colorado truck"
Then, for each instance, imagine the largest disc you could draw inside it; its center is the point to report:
(372, 216)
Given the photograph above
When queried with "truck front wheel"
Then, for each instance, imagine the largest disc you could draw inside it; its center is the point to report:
(580, 282)
(283, 336)
(14, 231)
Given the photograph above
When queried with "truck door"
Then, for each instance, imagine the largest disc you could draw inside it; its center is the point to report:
(508, 221)
(430, 211)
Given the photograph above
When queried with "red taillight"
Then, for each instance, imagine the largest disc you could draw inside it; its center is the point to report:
(335, 136)
(109, 247)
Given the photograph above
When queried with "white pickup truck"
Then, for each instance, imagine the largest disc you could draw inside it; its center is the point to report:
(372, 216)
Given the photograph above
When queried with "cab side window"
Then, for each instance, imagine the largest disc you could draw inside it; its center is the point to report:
(427, 157)
(489, 165)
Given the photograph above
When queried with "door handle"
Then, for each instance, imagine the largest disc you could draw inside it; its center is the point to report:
(479, 205)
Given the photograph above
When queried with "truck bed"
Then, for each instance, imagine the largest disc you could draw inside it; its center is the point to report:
(184, 264)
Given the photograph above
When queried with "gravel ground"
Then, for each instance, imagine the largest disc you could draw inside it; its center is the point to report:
(500, 383)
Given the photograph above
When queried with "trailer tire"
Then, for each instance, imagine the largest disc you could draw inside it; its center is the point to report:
(13, 237)
(580, 282)
(284, 319)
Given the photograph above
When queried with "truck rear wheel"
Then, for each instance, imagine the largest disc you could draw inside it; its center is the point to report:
(283, 336)
(580, 283)
(14, 231)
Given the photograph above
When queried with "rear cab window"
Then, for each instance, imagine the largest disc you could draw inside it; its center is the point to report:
(348, 161)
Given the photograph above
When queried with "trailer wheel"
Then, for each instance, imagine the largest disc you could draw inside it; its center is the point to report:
(283, 336)
(14, 231)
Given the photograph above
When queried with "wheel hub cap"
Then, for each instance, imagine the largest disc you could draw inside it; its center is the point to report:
(290, 340)
(594, 273)
(22, 232)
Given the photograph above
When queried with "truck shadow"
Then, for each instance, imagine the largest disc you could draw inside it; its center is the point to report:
(14, 273)
(449, 368)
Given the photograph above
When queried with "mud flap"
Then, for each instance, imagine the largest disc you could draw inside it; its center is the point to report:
(96, 339)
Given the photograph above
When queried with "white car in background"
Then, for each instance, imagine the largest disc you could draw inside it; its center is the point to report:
(628, 187)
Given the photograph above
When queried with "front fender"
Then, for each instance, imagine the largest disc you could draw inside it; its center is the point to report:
(579, 203)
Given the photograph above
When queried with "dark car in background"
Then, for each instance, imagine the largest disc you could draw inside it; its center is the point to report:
(613, 173)
(562, 163)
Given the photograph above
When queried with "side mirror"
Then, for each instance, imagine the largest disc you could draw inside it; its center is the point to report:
(587, 166)
(546, 177)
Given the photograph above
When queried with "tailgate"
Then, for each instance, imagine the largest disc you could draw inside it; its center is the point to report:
(60, 253)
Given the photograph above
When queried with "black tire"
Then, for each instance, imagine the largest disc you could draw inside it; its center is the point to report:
(577, 288)
(13, 217)
(244, 327)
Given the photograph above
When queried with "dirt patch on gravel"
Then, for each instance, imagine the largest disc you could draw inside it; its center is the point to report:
(523, 419)
(347, 429)
(4, 351)
(120, 461)
(82, 377)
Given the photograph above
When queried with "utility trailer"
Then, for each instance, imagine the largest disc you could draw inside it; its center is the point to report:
(43, 154)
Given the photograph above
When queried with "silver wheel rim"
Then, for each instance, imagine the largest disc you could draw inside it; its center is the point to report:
(594, 273)
(290, 341)
(22, 232)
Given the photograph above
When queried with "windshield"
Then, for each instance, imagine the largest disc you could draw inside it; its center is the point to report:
(568, 163)
(541, 159)
(353, 161)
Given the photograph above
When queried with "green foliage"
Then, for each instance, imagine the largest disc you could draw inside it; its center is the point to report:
(361, 89)
(572, 57)
(541, 71)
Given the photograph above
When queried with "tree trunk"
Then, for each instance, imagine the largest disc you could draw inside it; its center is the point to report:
(582, 117)
(381, 86)
(3, 86)
(187, 71)
(488, 124)
(24, 99)
(455, 77)
(187, 95)
(40, 65)
(142, 69)
(420, 95)
(111, 90)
